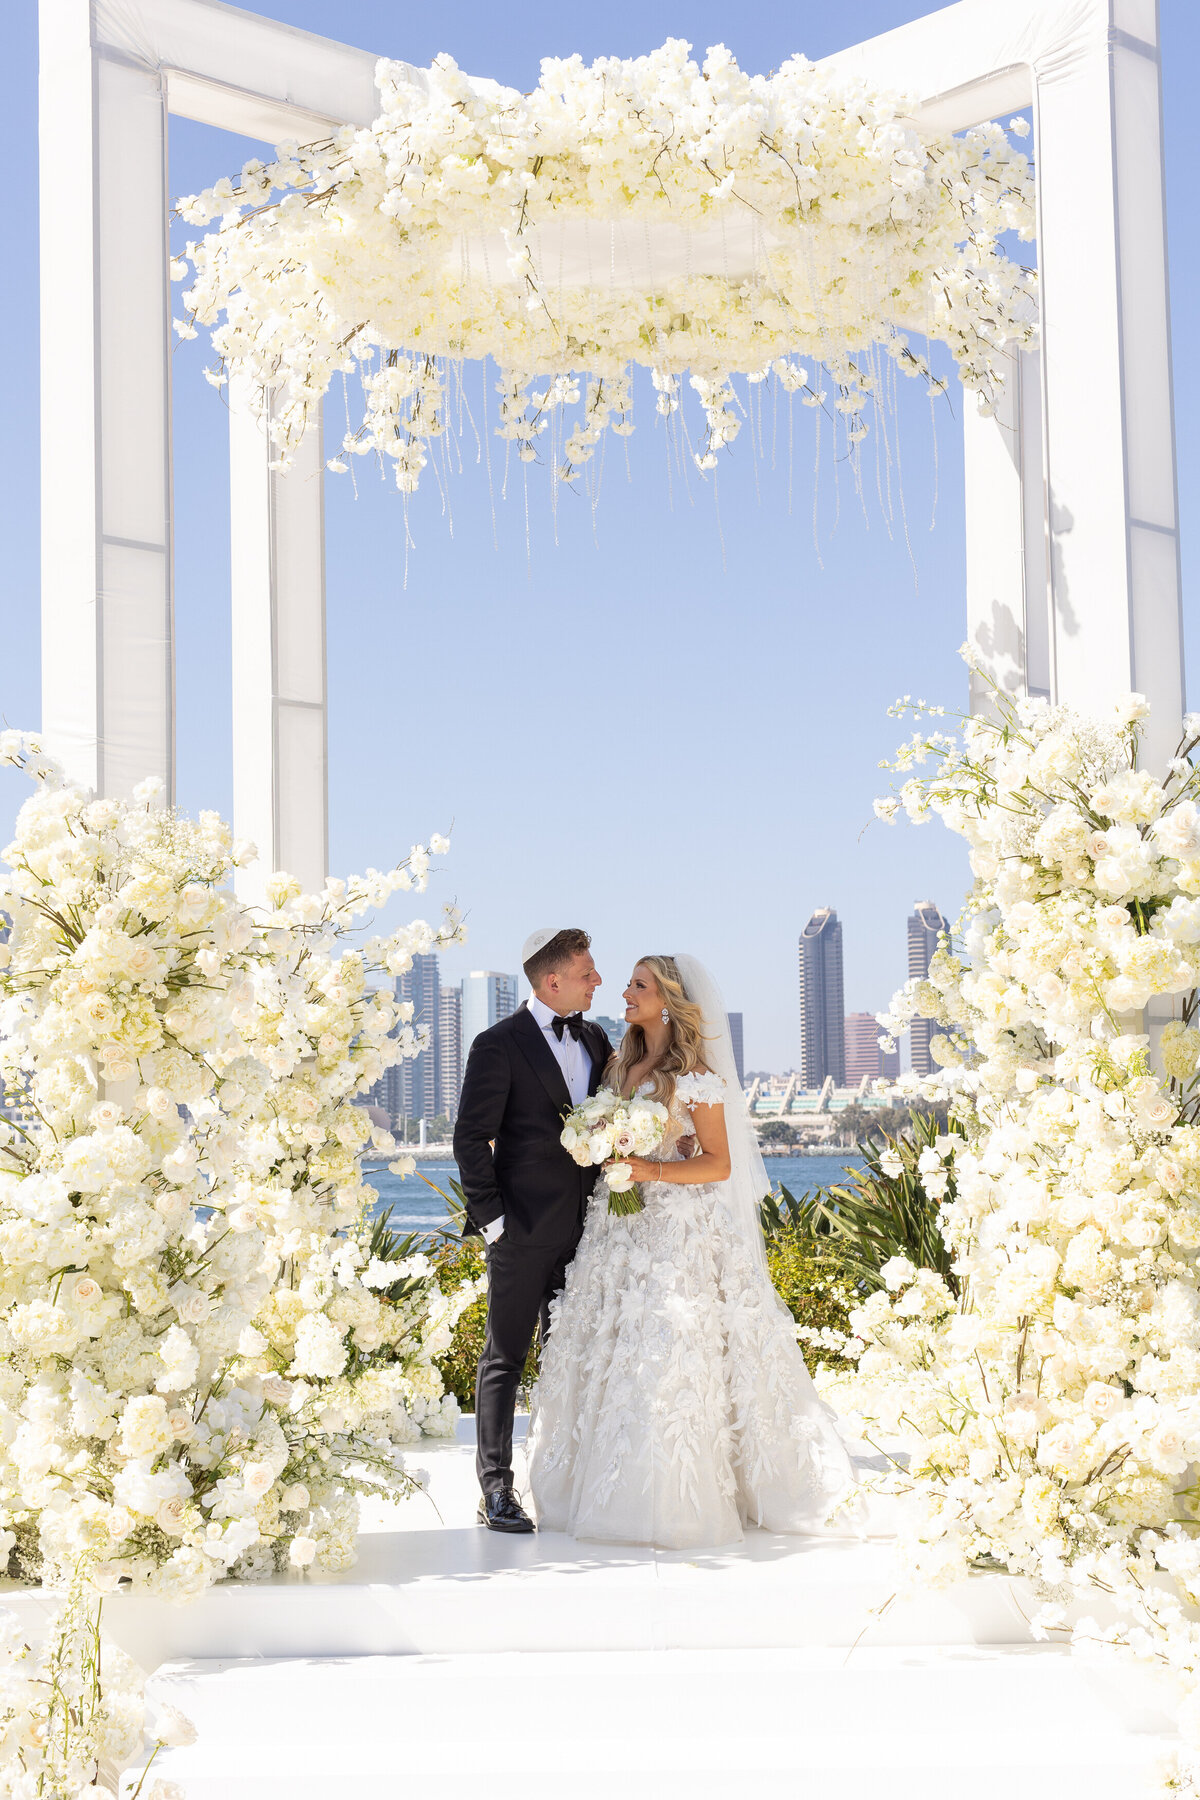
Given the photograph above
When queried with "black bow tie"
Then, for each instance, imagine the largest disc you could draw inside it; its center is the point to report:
(572, 1023)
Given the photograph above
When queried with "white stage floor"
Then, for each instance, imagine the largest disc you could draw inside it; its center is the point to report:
(463, 1662)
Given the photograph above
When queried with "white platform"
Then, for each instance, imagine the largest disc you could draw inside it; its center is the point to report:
(475, 1664)
(976, 1724)
(429, 1580)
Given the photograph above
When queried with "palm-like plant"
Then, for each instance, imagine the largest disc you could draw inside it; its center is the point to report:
(880, 1212)
(393, 1246)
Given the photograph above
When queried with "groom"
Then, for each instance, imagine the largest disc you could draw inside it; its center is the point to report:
(525, 1195)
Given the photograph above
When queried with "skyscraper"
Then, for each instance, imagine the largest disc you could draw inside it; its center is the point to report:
(735, 1032)
(925, 926)
(862, 1048)
(418, 1074)
(449, 1051)
(486, 998)
(613, 1029)
(822, 1019)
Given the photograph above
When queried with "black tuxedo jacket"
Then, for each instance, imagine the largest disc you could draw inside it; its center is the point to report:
(506, 1138)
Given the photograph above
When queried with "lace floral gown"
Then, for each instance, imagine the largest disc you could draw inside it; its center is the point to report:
(673, 1403)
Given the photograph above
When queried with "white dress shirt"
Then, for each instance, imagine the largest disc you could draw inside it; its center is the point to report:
(567, 1051)
(575, 1063)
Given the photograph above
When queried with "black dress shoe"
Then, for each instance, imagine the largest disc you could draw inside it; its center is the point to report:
(502, 1511)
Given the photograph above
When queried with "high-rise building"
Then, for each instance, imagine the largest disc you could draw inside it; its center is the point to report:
(822, 1016)
(449, 1051)
(613, 1029)
(486, 998)
(925, 926)
(863, 1056)
(735, 1032)
(418, 1074)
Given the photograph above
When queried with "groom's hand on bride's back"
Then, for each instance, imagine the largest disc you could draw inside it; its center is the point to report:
(686, 1146)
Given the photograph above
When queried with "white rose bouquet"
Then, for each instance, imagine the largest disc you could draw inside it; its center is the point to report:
(608, 1128)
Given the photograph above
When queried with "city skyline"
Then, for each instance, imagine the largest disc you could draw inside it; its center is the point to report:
(833, 1043)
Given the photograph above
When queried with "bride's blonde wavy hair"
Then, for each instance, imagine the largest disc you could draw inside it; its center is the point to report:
(684, 1053)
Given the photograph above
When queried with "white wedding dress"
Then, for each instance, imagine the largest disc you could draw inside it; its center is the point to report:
(673, 1403)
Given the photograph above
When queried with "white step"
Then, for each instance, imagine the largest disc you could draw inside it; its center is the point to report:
(980, 1722)
(431, 1581)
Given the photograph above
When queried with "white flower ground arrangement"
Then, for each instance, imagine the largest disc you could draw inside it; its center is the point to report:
(206, 1352)
(471, 221)
(1053, 1412)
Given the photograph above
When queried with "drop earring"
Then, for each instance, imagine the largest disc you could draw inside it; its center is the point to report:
(666, 1017)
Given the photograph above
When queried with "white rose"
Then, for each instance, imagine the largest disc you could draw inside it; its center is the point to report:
(105, 1115)
(141, 962)
(86, 1291)
(171, 1516)
(302, 1552)
(294, 1497)
(192, 1305)
(257, 1478)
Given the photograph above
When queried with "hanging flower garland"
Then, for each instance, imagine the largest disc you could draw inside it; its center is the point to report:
(691, 221)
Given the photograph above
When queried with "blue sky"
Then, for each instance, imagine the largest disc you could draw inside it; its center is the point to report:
(665, 726)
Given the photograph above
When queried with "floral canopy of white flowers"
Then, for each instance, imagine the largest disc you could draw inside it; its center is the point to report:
(653, 212)
(1052, 1404)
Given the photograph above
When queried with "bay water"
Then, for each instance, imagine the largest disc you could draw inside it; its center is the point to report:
(412, 1202)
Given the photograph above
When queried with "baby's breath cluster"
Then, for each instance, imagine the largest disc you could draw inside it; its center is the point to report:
(1052, 1410)
(472, 221)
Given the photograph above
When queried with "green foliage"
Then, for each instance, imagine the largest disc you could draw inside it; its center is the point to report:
(814, 1283)
(877, 1215)
(457, 1259)
(777, 1131)
(885, 1123)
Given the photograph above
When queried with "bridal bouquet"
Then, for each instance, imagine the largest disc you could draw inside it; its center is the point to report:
(608, 1127)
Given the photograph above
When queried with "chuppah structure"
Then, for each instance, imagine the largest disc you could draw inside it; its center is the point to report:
(1071, 508)
(1072, 593)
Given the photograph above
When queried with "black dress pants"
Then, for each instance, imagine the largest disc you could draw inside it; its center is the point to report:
(522, 1281)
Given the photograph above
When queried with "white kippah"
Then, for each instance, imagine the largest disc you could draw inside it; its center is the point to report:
(537, 940)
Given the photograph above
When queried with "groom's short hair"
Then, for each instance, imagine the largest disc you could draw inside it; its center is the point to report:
(556, 954)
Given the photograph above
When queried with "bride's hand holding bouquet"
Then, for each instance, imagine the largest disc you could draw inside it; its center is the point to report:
(609, 1130)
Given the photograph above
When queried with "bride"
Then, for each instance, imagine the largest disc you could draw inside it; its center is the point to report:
(673, 1404)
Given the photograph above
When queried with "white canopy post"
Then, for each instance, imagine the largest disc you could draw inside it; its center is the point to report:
(1110, 445)
(279, 731)
(1095, 460)
(1008, 593)
(111, 73)
(107, 624)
